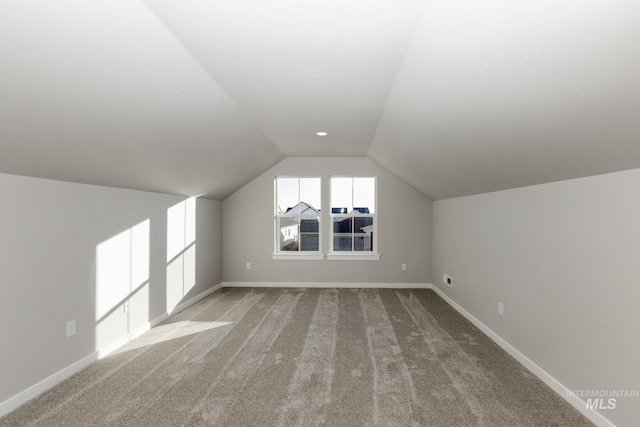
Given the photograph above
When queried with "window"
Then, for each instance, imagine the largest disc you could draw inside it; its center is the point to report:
(353, 215)
(297, 216)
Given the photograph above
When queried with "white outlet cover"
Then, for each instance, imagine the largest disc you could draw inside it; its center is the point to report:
(447, 280)
(71, 328)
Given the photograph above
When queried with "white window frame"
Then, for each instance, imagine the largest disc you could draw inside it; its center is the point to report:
(372, 255)
(295, 255)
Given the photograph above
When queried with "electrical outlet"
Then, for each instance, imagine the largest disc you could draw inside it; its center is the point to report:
(500, 308)
(447, 280)
(248, 266)
(71, 328)
(404, 267)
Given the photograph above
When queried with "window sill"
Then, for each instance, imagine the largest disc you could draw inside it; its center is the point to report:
(299, 256)
(353, 257)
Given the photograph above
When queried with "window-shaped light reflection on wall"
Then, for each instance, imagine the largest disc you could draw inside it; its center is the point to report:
(122, 284)
(181, 251)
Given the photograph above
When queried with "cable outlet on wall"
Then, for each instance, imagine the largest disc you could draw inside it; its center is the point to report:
(71, 328)
(126, 306)
(447, 280)
(500, 308)
(403, 267)
(248, 266)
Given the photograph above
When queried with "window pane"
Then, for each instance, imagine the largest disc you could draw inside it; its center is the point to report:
(309, 234)
(310, 193)
(364, 195)
(343, 233)
(353, 203)
(362, 223)
(342, 224)
(288, 232)
(288, 190)
(309, 242)
(341, 195)
(309, 225)
(299, 234)
(297, 198)
(359, 243)
(342, 243)
(363, 230)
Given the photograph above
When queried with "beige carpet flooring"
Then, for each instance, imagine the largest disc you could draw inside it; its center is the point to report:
(306, 357)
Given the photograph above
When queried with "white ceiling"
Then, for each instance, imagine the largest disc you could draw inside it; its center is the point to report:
(199, 97)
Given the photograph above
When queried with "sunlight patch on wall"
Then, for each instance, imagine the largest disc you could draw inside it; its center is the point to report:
(181, 251)
(181, 227)
(122, 284)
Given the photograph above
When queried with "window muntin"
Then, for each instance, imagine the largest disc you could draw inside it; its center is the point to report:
(353, 201)
(297, 216)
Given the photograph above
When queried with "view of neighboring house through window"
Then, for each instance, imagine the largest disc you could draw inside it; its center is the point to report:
(297, 214)
(353, 203)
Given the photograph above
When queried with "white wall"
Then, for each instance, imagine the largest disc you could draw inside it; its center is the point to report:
(564, 258)
(404, 229)
(78, 252)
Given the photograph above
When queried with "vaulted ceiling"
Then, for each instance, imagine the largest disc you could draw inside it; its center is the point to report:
(200, 96)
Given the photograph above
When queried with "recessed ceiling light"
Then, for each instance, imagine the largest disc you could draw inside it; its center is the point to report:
(322, 133)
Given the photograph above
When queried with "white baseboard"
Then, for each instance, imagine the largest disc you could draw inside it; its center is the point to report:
(35, 390)
(326, 285)
(594, 416)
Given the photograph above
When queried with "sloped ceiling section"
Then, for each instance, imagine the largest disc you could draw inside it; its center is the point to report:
(501, 94)
(199, 97)
(299, 67)
(100, 92)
